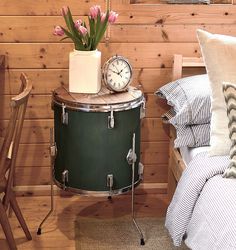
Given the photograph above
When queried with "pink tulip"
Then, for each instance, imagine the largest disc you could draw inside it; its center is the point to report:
(103, 16)
(78, 23)
(112, 17)
(83, 30)
(94, 10)
(64, 10)
(58, 31)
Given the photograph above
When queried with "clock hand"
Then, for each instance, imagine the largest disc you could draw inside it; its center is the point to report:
(116, 68)
(114, 72)
(121, 71)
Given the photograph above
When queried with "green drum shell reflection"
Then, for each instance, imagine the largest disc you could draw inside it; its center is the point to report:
(90, 151)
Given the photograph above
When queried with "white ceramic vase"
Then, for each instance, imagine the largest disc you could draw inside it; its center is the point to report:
(85, 71)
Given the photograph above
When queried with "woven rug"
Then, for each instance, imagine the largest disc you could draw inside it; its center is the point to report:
(120, 234)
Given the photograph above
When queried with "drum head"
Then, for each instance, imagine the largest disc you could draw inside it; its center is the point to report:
(104, 101)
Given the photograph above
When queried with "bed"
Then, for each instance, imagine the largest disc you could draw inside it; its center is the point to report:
(203, 204)
(176, 164)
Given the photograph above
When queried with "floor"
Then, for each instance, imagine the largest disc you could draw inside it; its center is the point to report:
(58, 231)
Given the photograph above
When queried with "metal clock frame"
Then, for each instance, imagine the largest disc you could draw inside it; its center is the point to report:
(105, 72)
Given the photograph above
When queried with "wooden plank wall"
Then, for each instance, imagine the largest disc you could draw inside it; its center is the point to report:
(148, 35)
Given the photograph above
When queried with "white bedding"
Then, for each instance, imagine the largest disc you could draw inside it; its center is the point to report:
(202, 211)
(189, 153)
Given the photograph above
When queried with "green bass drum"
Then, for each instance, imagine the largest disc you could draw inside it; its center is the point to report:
(97, 138)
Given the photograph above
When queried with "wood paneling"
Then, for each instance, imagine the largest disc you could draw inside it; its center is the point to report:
(165, 1)
(41, 28)
(45, 7)
(175, 13)
(147, 34)
(45, 80)
(55, 55)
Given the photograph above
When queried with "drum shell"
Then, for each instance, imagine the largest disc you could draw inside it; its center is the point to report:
(90, 151)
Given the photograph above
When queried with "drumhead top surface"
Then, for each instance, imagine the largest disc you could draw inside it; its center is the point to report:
(103, 101)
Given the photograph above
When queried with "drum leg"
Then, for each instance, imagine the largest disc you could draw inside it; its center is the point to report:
(110, 198)
(53, 155)
(142, 242)
(110, 185)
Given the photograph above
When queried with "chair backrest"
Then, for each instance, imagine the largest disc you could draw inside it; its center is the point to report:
(11, 140)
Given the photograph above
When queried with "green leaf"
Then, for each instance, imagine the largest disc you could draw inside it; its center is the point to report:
(64, 38)
(91, 26)
(98, 23)
(102, 30)
(78, 43)
(68, 21)
(71, 21)
(77, 36)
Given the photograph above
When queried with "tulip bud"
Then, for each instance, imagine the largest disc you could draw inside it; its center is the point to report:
(78, 23)
(94, 10)
(82, 30)
(103, 16)
(64, 10)
(58, 31)
(112, 17)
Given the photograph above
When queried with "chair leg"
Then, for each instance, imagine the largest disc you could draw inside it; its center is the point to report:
(7, 228)
(19, 216)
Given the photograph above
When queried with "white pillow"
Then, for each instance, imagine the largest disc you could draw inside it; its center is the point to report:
(219, 54)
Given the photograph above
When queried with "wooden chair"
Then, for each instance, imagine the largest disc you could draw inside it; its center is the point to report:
(8, 154)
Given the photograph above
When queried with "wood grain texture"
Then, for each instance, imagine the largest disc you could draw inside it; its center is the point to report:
(54, 55)
(45, 7)
(164, 1)
(41, 29)
(175, 13)
(147, 34)
(58, 232)
(46, 80)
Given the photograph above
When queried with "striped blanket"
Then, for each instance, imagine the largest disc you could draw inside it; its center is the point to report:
(203, 209)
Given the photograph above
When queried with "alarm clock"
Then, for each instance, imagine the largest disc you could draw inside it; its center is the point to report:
(117, 74)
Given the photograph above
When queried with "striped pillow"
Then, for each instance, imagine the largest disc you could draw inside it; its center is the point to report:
(229, 91)
(190, 98)
(192, 135)
(189, 135)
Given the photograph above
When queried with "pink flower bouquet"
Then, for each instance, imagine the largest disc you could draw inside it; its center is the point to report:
(84, 38)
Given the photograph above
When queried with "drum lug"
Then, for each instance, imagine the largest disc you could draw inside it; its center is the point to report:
(143, 109)
(65, 178)
(140, 169)
(53, 150)
(131, 157)
(111, 120)
(110, 180)
(53, 146)
(64, 115)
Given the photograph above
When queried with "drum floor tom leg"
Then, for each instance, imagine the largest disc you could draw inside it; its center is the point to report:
(53, 152)
(133, 160)
(110, 185)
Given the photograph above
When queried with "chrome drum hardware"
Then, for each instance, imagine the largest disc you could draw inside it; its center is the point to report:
(111, 120)
(64, 115)
(65, 178)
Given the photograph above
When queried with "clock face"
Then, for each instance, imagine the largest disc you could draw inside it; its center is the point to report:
(118, 74)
